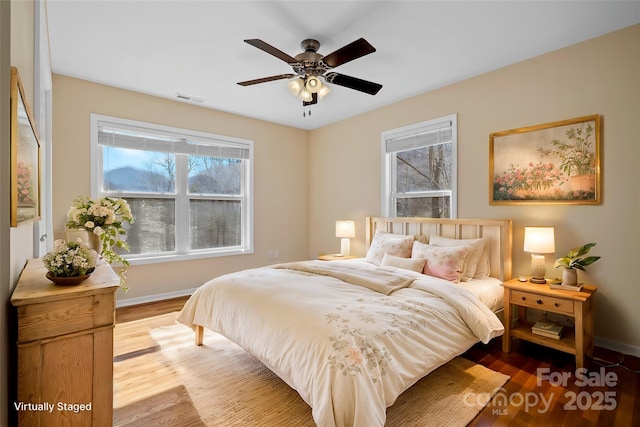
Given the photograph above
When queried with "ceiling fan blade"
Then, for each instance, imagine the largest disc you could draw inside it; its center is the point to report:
(266, 79)
(353, 83)
(352, 51)
(272, 51)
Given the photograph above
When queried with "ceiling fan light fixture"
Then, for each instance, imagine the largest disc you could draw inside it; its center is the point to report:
(324, 90)
(296, 86)
(313, 84)
(305, 95)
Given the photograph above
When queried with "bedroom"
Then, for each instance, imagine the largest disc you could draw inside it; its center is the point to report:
(557, 85)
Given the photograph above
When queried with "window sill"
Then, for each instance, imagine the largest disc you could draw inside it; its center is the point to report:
(156, 259)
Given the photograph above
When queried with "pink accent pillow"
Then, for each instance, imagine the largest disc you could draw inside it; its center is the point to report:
(388, 243)
(446, 262)
(472, 263)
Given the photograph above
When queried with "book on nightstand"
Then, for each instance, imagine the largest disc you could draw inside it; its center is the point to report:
(547, 329)
(565, 287)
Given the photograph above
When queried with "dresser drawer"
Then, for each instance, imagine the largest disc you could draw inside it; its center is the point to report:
(541, 302)
(54, 318)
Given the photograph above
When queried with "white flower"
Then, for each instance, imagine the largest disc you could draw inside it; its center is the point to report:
(107, 216)
(70, 259)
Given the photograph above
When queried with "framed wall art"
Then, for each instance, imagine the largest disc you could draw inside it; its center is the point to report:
(25, 157)
(555, 162)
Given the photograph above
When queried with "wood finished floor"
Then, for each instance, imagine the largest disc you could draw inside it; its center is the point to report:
(523, 402)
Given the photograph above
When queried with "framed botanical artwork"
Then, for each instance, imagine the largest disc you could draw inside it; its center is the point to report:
(25, 157)
(555, 162)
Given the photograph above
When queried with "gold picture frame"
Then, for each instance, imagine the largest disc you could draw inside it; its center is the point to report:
(555, 162)
(25, 157)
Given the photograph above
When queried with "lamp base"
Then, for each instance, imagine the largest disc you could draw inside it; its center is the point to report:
(345, 246)
(538, 269)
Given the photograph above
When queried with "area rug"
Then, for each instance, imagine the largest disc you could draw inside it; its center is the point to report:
(175, 383)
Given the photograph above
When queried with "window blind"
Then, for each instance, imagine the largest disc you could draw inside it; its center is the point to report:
(437, 133)
(138, 138)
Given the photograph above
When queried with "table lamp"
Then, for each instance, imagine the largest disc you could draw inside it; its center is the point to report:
(537, 241)
(345, 230)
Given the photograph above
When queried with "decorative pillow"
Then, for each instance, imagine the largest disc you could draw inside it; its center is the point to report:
(444, 262)
(389, 243)
(483, 271)
(471, 263)
(413, 264)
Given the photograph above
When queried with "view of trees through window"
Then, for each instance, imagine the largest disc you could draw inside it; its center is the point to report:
(423, 181)
(419, 169)
(153, 182)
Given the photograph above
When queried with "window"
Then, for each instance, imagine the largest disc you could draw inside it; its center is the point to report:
(190, 192)
(419, 169)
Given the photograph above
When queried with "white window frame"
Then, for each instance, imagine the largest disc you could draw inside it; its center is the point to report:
(182, 251)
(389, 175)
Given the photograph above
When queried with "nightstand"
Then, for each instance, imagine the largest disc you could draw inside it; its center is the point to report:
(578, 305)
(335, 257)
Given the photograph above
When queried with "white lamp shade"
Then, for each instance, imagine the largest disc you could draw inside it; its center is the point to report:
(324, 90)
(539, 240)
(345, 229)
(305, 95)
(313, 84)
(295, 86)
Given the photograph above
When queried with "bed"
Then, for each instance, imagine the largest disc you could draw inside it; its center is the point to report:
(350, 336)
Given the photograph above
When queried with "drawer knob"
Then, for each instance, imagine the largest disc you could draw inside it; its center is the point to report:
(557, 305)
(539, 301)
(524, 298)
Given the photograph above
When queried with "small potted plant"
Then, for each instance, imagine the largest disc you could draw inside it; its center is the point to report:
(576, 259)
(70, 263)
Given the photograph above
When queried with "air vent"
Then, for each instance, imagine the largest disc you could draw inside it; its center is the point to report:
(188, 98)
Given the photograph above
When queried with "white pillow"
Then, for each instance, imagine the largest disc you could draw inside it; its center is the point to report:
(471, 263)
(445, 262)
(413, 264)
(483, 271)
(394, 244)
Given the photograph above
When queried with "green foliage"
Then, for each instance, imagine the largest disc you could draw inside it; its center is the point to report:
(577, 259)
(577, 155)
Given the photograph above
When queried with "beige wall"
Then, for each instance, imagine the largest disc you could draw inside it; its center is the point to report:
(281, 178)
(600, 76)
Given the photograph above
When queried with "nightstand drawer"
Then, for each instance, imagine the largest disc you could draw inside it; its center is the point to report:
(542, 302)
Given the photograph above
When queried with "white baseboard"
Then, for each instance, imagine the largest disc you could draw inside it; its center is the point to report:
(631, 350)
(154, 298)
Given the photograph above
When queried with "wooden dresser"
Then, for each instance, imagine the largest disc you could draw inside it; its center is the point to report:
(65, 348)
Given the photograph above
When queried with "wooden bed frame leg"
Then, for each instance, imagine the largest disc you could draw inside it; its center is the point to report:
(199, 330)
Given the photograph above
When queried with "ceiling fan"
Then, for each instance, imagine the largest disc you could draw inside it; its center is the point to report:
(309, 65)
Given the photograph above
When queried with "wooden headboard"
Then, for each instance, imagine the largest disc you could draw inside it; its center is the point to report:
(496, 232)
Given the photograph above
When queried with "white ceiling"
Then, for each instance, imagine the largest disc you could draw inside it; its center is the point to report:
(196, 48)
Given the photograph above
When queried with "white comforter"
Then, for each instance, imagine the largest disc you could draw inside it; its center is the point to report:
(349, 351)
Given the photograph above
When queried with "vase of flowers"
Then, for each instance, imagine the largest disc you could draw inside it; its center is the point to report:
(69, 263)
(104, 220)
